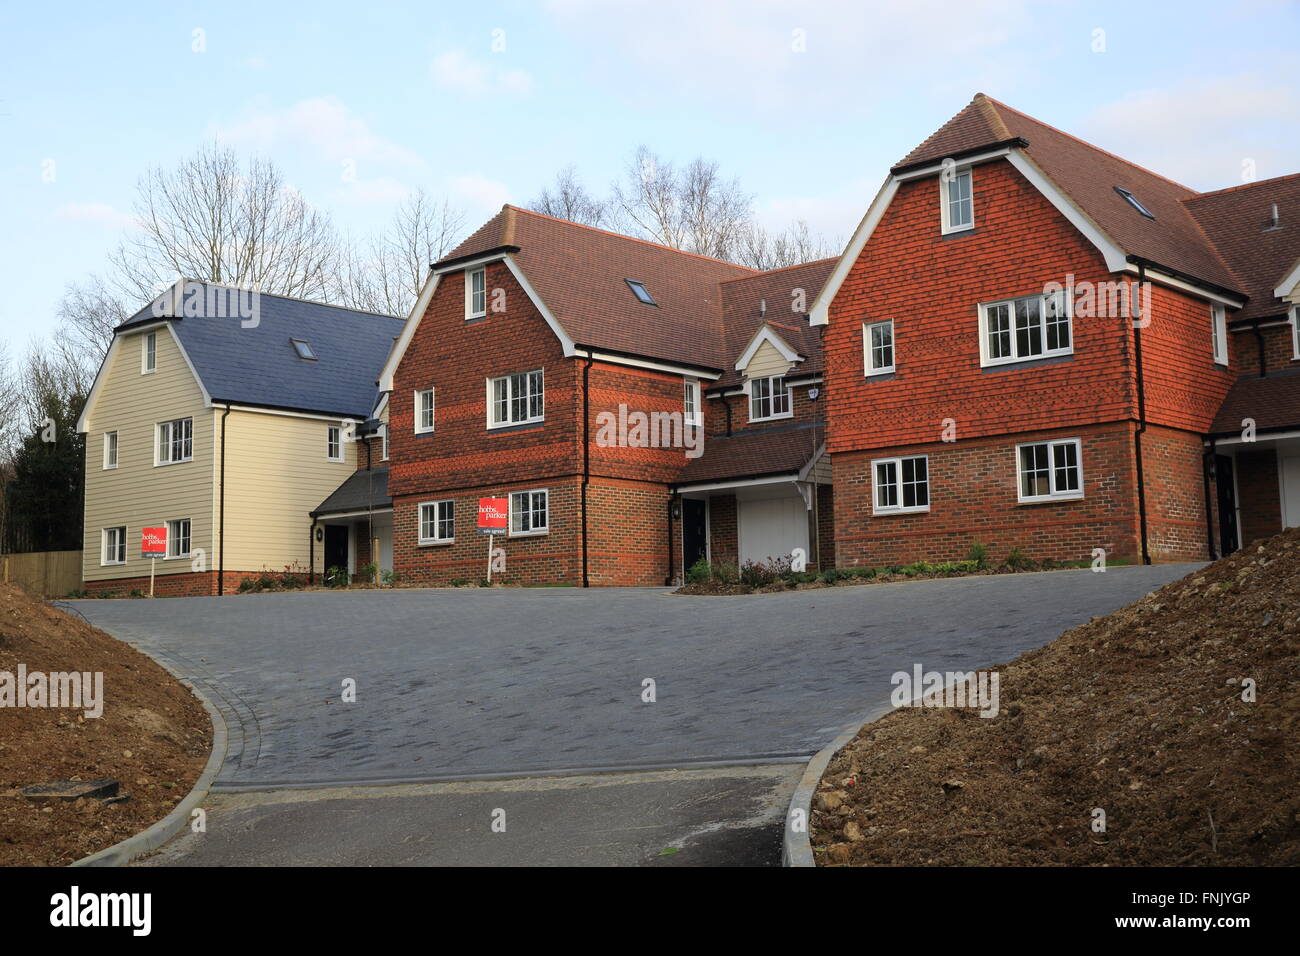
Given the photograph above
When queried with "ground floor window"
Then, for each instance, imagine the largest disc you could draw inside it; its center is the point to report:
(437, 522)
(114, 546)
(1050, 470)
(178, 538)
(529, 512)
(901, 484)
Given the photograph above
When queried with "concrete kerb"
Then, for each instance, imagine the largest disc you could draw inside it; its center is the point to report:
(120, 854)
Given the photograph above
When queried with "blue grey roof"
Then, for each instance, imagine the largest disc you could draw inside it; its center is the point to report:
(362, 489)
(258, 365)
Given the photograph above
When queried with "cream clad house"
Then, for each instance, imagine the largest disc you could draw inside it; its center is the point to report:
(227, 418)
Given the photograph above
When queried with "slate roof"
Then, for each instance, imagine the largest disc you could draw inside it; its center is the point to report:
(754, 453)
(358, 492)
(1273, 401)
(258, 365)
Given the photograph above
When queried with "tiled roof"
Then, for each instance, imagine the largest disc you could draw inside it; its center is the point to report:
(257, 365)
(1272, 401)
(754, 453)
(362, 489)
(1237, 220)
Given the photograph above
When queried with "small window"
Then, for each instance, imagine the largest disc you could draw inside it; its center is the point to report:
(515, 399)
(1295, 332)
(175, 441)
(1219, 332)
(901, 484)
(114, 546)
(956, 201)
(438, 522)
(383, 443)
(768, 398)
(641, 292)
(110, 449)
(692, 414)
(424, 411)
(178, 538)
(1016, 330)
(1050, 470)
(878, 344)
(149, 353)
(334, 443)
(528, 513)
(303, 349)
(475, 293)
(1133, 201)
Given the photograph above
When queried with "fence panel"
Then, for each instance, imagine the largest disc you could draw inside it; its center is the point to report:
(47, 573)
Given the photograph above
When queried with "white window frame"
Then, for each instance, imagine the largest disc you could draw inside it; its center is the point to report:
(1219, 334)
(534, 530)
(898, 507)
(511, 398)
(437, 523)
(945, 203)
(149, 353)
(158, 442)
(120, 548)
(985, 308)
(471, 294)
(1054, 494)
(869, 352)
(383, 442)
(692, 409)
(771, 380)
(333, 441)
(172, 536)
(1295, 332)
(111, 441)
(418, 411)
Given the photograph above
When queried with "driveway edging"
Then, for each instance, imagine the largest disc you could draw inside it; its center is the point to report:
(120, 854)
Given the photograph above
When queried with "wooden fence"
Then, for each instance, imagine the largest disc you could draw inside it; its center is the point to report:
(47, 573)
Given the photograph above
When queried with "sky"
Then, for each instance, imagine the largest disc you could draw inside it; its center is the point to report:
(808, 103)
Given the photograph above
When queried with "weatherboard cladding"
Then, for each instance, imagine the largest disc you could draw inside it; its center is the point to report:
(257, 365)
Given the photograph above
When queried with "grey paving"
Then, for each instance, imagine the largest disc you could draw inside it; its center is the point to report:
(474, 682)
(728, 817)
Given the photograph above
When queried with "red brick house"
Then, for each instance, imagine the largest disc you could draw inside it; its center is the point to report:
(640, 407)
(1032, 343)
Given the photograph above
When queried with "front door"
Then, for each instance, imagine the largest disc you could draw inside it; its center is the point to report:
(694, 531)
(336, 547)
(1226, 485)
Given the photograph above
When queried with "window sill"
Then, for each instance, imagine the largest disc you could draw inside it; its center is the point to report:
(1036, 361)
(772, 418)
(422, 431)
(889, 512)
(528, 534)
(177, 557)
(112, 564)
(517, 426)
(883, 374)
(109, 468)
(179, 461)
(956, 230)
(435, 542)
(1054, 499)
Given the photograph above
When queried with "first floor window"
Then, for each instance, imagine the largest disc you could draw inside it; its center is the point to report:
(437, 522)
(528, 512)
(475, 293)
(110, 449)
(692, 415)
(178, 538)
(958, 205)
(424, 411)
(879, 346)
(114, 546)
(1034, 326)
(768, 398)
(1219, 331)
(1050, 469)
(902, 484)
(515, 399)
(149, 353)
(334, 443)
(176, 440)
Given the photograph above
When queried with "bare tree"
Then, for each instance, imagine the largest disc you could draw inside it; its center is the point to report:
(760, 249)
(216, 218)
(88, 313)
(569, 199)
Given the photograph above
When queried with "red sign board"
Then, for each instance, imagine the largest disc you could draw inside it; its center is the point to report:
(153, 542)
(493, 515)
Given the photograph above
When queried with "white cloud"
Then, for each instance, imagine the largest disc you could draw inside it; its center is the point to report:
(458, 71)
(95, 214)
(478, 192)
(326, 125)
(380, 190)
(1201, 131)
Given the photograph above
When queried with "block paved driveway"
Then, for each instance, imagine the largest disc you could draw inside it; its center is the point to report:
(467, 683)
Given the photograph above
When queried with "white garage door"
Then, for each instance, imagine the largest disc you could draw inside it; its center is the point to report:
(772, 528)
(1291, 492)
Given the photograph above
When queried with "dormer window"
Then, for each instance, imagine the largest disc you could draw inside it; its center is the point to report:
(768, 398)
(956, 201)
(149, 353)
(475, 293)
(303, 349)
(641, 292)
(1133, 201)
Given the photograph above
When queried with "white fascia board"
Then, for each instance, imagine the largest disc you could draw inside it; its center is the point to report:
(286, 413)
(1289, 287)
(1259, 437)
(380, 406)
(1116, 258)
(921, 172)
(765, 334)
(83, 420)
(565, 342)
(613, 359)
(817, 315)
(812, 462)
(741, 483)
(408, 332)
(207, 399)
(1155, 275)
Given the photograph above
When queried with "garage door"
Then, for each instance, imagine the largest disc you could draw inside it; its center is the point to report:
(1291, 492)
(772, 528)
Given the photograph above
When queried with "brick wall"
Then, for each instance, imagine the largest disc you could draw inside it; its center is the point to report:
(1279, 350)
(627, 529)
(1175, 494)
(1260, 494)
(189, 584)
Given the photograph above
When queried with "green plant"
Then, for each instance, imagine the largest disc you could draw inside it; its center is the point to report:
(757, 574)
(391, 578)
(979, 553)
(136, 593)
(1017, 560)
(336, 577)
(698, 572)
(368, 573)
(77, 593)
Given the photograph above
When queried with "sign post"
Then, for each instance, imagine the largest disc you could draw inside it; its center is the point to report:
(493, 519)
(153, 544)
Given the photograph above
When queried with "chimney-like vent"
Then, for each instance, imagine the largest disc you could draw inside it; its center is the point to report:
(1274, 219)
(762, 307)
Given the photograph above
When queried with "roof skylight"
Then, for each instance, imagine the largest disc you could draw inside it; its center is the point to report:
(640, 291)
(1133, 201)
(303, 349)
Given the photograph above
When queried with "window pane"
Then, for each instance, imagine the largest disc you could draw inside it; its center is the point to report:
(999, 331)
(916, 488)
(1057, 321)
(535, 395)
(1066, 461)
(780, 396)
(1034, 476)
(959, 200)
(886, 485)
(1029, 320)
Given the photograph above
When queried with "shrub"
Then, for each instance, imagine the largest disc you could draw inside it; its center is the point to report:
(1017, 560)
(978, 553)
(368, 573)
(698, 572)
(391, 578)
(336, 577)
